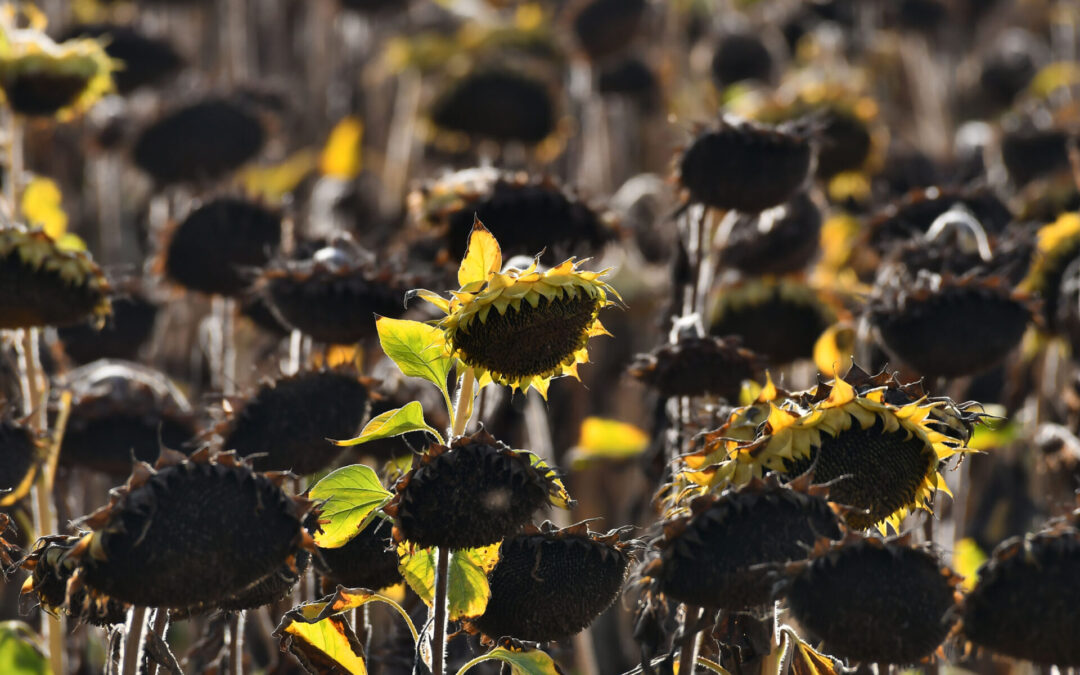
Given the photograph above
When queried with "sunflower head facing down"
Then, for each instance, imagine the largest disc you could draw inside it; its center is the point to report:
(520, 328)
(878, 444)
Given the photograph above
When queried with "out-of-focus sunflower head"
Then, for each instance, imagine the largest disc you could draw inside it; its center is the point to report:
(40, 77)
(517, 327)
(879, 445)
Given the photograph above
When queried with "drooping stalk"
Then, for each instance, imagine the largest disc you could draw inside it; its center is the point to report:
(132, 653)
(438, 639)
(691, 639)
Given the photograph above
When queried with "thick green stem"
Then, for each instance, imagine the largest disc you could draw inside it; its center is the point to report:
(438, 639)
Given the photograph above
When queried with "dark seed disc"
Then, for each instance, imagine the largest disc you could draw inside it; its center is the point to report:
(41, 93)
(529, 340)
(19, 453)
(780, 329)
(708, 563)
(739, 57)
(191, 535)
(776, 241)
(122, 410)
(125, 332)
(499, 105)
(367, 561)
(219, 246)
(883, 470)
(916, 212)
(473, 494)
(874, 602)
(546, 587)
(146, 61)
(199, 142)
(1030, 153)
(744, 166)
(273, 588)
(959, 330)
(290, 420)
(697, 367)
(632, 78)
(845, 143)
(1024, 605)
(374, 6)
(607, 27)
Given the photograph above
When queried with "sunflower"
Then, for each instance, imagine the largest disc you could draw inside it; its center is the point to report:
(1056, 245)
(42, 78)
(878, 443)
(542, 320)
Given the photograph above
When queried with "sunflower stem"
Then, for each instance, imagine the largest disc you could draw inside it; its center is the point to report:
(132, 653)
(438, 639)
(463, 409)
(691, 640)
(236, 643)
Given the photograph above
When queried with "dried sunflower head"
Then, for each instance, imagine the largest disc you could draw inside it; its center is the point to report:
(288, 420)
(743, 165)
(1056, 246)
(141, 60)
(473, 493)
(497, 104)
(42, 78)
(42, 284)
(187, 534)
(877, 443)
(780, 319)
(51, 568)
(123, 412)
(218, 247)
(333, 293)
(873, 601)
(127, 329)
(723, 554)
(520, 328)
(698, 366)
(549, 584)
(605, 28)
(202, 141)
(944, 326)
(779, 240)
(740, 57)
(367, 561)
(1024, 604)
(1033, 150)
(526, 214)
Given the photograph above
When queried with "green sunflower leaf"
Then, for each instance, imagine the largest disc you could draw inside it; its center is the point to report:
(353, 494)
(418, 349)
(523, 662)
(321, 644)
(468, 591)
(393, 423)
(19, 651)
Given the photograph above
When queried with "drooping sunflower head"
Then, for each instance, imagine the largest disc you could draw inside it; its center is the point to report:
(42, 78)
(1056, 245)
(878, 443)
(520, 328)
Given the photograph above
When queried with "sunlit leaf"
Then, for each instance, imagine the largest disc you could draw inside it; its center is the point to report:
(274, 182)
(483, 257)
(468, 591)
(561, 498)
(42, 206)
(834, 349)
(604, 439)
(994, 433)
(352, 494)
(393, 423)
(418, 349)
(712, 666)
(325, 645)
(967, 559)
(341, 156)
(522, 662)
(804, 659)
(19, 651)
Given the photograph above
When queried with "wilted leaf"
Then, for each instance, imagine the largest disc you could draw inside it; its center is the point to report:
(482, 258)
(352, 495)
(602, 439)
(19, 652)
(418, 350)
(392, 423)
(42, 206)
(346, 599)
(272, 183)
(967, 559)
(834, 349)
(341, 156)
(994, 433)
(468, 591)
(712, 666)
(523, 662)
(804, 659)
(561, 498)
(321, 644)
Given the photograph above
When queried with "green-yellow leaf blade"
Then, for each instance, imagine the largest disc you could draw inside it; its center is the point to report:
(325, 644)
(467, 592)
(19, 652)
(353, 494)
(604, 439)
(418, 349)
(392, 423)
(482, 258)
(523, 662)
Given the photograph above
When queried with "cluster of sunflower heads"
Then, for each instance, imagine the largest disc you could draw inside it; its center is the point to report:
(520, 327)
(877, 444)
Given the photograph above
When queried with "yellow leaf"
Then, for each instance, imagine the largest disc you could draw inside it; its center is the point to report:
(482, 258)
(325, 644)
(42, 206)
(521, 661)
(353, 494)
(272, 183)
(834, 350)
(967, 559)
(341, 155)
(468, 590)
(607, 439)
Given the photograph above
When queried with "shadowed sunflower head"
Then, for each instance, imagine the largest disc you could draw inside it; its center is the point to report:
(520, 328)
(1056, 245)
(878, 443)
